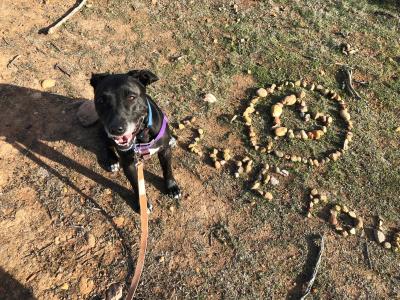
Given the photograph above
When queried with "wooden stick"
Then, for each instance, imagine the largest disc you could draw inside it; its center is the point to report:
(314, 274)
(349, 82)
(53, 27)
(12, 60)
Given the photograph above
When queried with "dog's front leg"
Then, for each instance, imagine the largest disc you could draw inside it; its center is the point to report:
(165, 156)
(111, 160)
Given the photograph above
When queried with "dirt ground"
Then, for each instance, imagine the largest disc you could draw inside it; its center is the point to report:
(67, 227)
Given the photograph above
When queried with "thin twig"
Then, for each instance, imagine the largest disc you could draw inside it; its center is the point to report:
(52, 28)
(361, 82)
(317, 264)
(55, 47)
(5, 41)
(348, 81)
(12, 60)
(57, 66)
(367, 254)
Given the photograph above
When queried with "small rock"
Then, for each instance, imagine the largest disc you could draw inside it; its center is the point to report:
(274, 180)
(227, 156)
(397, 129)
(267, 179)
(256, 185)
(345, 114)
(289, 100)
(262, 93)
(248, 168)
(352, 231)
(279, 154)
(302, 94)
(64, 287)
(323, 198)
(387, 245)
(210, 98)
(161, 259)
(48, 83)
(317, 134)
(181, 126)
(338, 208)
(91, 240)
(290, 134)
(276, 110)
(379, 236)
(268, 196)
(281, 131)
(119, 221)
(304, 135)
(314, 192)
(352, 214)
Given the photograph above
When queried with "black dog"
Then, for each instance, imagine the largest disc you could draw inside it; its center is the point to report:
(134, 126)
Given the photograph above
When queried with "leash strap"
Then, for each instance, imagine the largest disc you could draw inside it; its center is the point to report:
(144, 232)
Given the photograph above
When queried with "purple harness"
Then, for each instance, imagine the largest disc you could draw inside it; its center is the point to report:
(146, 149)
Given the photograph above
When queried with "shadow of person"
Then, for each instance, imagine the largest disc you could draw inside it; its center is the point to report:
(31, 118)
(11, 289)
(301, 280)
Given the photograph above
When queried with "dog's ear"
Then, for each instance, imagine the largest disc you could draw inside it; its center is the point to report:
(96, 78)
(144, 76)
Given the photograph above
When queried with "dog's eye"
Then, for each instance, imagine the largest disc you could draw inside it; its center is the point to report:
(131, 97)
(100, 100)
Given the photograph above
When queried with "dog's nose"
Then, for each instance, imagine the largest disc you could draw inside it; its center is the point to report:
(117, 130)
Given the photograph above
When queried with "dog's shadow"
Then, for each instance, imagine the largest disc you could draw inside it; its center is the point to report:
(31, 118)
(12, 289)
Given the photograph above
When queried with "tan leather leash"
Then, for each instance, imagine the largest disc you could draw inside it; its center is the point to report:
(144, 225)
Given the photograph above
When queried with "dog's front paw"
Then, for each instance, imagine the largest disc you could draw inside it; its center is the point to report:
(113, 166)
(173, 190)
(149, 207)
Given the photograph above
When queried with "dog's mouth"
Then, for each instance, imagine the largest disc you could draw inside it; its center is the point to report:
(123, 140)
(126, 140)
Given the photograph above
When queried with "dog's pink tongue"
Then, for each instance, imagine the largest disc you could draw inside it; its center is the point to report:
(123, 139)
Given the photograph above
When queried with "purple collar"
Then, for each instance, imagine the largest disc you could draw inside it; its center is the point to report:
(146, 149)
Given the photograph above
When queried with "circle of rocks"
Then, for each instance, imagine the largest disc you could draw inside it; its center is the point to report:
(345, 228)
(281, 131)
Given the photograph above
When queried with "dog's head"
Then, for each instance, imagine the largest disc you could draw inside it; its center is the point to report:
(121, 103)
